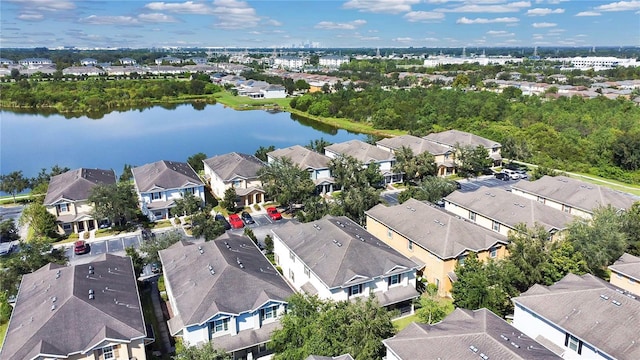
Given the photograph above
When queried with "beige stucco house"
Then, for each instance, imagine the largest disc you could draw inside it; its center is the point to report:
(236, 170)
(625, 273)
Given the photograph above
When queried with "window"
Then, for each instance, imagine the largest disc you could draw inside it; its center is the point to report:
(262, 348)
(107, 353)
(355, 290)
(461, 260)
(566, 209)
(221, 325)
(541, 199)
(190, 190)
(307, 272)
(292, 276)
(237, 183)
(63, 208)
(292, 256)
(156, 196)
(389, 234)
(269, 312)
(631, 281)
(410, 245)
(66, 227)
(472, 216)
(493, 252)
(496, 226)
(394, 279)
(573, 343)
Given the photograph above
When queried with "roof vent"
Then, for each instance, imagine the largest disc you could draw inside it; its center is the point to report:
(53, 299)
(504, 337)
(316, 226)
(515, 345)
(57, 274)
(604, 297)
(473, 348)
(91, 292)
(53, 307)
(241, 266)
(339, 244)
(92, 296)
(616, 303)
(483, 356)
(200, 249)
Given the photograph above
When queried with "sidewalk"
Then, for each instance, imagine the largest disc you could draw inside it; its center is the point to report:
(163, 330)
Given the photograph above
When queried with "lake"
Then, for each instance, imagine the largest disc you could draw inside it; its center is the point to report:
(30, 142)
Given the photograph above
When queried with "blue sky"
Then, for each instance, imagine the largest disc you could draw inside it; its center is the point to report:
(327, 23)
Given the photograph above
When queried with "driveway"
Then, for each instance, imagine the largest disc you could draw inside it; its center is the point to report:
(98, 247)
(474, 184)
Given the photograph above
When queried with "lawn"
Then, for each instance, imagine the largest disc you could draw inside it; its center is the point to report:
(150, 318)
(613, 184)
(402, 323)
(245, 103)
(3, 332)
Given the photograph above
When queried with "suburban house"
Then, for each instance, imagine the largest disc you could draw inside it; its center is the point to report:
(465, 335)
(581, 317)
(67, 198)
(83, 70)
(501, 211)
(572, 196)
(171, 60)
(236, 170)
(366, 154)
(453, 138)
(289, 62)
(332, 61)
(626, 273)
(256, 89)
(88, 62)
(224, 291)
(430, 236)
(127, 61)
(160, 183)
(89, 311)
(316, 164)
(334, 258)
(443, 155)
(35, 62)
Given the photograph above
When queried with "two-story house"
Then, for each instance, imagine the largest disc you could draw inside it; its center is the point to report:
(334, 258)
(316, 164)
(465, 335)
(581, 317)
(453, 138)
(367, 154)
(160, 183)
(625, 273)
(80, 312)
(430, 236)
(572, 196)
(501, 211)
(67, 198)
(224, 291)
(443, 156)
(236, 170)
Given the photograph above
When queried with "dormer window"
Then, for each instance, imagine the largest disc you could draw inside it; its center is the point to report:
(355, 290)
(156, 196)
(220, 325)
(394, 279)
(63, 207)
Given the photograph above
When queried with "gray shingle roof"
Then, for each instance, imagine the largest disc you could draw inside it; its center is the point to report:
(454, 337)
(628, 265)
(331, 250)
(453, 137)
(76, 185)
(166, 175)
(234, 165)
(233, 289)
(583, 306)
(361, 151)
(416, 144)
(441, 233)
(576, 193)
(303, 157)
(510, 209)
(77, 323)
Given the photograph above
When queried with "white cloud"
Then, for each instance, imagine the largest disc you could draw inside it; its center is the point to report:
(31, 17)
(467, 21)
(620, 6)
(187, 7)
(423, 16)
(543, 25)
(544, 11)
(45, 5)
(110, 20)
(491, 8)
(381, 6)
(330, 25)
(557, 31)
(431, 39)
(500, 33)
(588, 13)
(234, 14)
(156, 18)
(402, 39)
(273, 22)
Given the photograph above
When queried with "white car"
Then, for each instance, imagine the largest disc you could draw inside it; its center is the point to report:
(513, 175)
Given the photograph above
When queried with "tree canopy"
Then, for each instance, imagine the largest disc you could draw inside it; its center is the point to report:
(13, 183)
(116, 202)
(286, 182)
(150, 247)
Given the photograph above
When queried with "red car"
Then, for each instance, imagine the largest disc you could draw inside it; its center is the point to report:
(273, 213)
(235, 221)
(80, 247)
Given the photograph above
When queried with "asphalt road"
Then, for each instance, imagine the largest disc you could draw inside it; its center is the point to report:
(488, 181)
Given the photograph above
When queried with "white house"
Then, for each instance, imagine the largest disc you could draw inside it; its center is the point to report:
(127, 61)
(160, 183)
(581, 317)
(316, 164)
(366, 154)
(88, 62)
(224, 291)
(453, 138)
(289, 62)
(334, 258)
(168, 60)
(333, 61)
(35, 62)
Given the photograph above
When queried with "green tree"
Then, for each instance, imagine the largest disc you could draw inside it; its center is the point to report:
(127, 174)
(136, 259)
(528, 254)
(5, 308)
(13, 183)
(268, 244)
(631, 226)
(472, 160)
(262, 151)
(205, 351)
(414, 167)
(301, 84)
(431, 308)
(318, 145)
(626, 151)
(204, 225)
(116, 202)
(187, 205)
(196, 161)
(515, 149)
(8, 231)
(42, 222)
(328, 328)
(40, 183)
(150, 247)
(431, 188)
(461, 81)
(230, 198)
(314, 209)
(286, 182)
(540, 171)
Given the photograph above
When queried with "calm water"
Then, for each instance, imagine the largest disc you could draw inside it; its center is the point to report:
(30, 142)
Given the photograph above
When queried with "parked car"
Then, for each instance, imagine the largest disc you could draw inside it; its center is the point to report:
(80, 247)
(156, 268)
(513, 175)
(236, 222)
(523, 174)
(273, 213)
(502, 176)
(147, 234)
(247, 218)
(225, 223)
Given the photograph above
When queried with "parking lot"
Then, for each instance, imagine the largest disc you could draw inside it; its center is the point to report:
(488, 181)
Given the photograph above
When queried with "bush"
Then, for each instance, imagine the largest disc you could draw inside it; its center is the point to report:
(73, 236)
(86, 235)
(256, 207)
(161, 285)
(177, 221)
